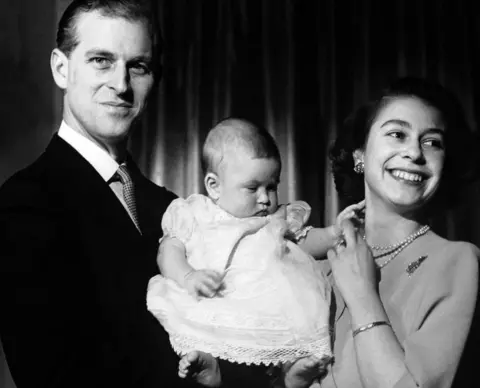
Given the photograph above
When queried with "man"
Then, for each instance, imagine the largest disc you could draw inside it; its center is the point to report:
(79, 228)
(77, 248)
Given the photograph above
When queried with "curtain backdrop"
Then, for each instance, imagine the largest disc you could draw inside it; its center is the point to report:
(298, 67)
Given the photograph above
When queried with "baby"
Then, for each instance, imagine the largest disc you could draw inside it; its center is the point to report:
(239, 280)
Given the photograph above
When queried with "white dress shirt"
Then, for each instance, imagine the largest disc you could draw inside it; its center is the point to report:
(101, 161)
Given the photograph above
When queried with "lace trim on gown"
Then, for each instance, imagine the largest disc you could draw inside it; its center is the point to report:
(249, 354)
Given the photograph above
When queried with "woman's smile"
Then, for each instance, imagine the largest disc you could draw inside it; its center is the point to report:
(414, 178)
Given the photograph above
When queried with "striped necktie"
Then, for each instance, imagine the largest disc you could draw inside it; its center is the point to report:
(128, 193)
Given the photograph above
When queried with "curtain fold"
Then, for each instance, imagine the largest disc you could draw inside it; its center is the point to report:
(328, 105)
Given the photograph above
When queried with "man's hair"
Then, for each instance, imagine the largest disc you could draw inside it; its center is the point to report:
(131, 10)
(232, 135)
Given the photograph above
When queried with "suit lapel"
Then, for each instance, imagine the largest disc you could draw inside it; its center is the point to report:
(85, 193)
(102, 220)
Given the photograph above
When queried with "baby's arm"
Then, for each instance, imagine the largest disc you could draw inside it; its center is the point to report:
(178, 225)
(172, 260)
(173, 264)
(319, 240)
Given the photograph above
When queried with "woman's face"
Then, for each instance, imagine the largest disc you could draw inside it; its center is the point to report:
(404, 155)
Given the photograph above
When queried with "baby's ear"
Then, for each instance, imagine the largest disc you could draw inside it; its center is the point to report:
(212, 184)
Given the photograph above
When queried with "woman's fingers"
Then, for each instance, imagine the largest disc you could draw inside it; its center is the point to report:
(360, 205)
(349, 233)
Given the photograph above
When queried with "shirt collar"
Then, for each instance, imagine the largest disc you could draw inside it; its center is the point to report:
(101, 161)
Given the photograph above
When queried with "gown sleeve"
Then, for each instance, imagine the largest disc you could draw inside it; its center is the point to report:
(179, 221)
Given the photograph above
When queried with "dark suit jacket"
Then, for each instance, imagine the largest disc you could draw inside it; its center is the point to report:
(73, 278)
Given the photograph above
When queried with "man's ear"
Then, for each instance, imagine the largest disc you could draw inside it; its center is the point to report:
(59, 66)
(212, 184)
(357, 156)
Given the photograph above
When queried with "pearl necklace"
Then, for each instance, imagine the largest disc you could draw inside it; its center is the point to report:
(399, 247)
(424, 229)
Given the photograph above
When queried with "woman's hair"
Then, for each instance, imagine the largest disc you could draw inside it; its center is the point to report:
(232, 135)
(460, 142)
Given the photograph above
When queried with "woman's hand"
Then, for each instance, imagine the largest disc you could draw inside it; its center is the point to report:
(353, 212)
(353, 267)
(380, 357)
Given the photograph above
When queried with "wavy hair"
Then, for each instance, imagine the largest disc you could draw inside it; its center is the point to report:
(461, 144)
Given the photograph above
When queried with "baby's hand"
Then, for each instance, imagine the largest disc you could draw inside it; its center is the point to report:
(352, 212)
(203, 282)
(200, 367)
(280, 213)
(298, 213)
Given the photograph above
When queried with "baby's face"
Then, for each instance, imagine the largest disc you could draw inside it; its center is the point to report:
(248, 186)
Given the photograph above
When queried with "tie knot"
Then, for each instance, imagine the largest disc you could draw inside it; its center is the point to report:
(123, 174)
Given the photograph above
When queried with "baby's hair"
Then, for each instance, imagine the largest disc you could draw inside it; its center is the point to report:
(233, 134)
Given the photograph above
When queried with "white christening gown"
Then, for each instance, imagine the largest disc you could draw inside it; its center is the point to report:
(274, 306)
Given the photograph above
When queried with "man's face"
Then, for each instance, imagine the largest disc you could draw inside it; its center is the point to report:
(109, 77)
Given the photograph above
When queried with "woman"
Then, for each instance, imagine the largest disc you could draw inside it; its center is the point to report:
(405, 306)
(402, 315)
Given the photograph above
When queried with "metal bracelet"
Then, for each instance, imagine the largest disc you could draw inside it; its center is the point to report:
(370, 326)
(302, 233)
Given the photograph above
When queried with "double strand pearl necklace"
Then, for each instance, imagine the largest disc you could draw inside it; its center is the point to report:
(394, 250)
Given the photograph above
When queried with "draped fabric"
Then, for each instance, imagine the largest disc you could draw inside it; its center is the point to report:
(298, 67)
